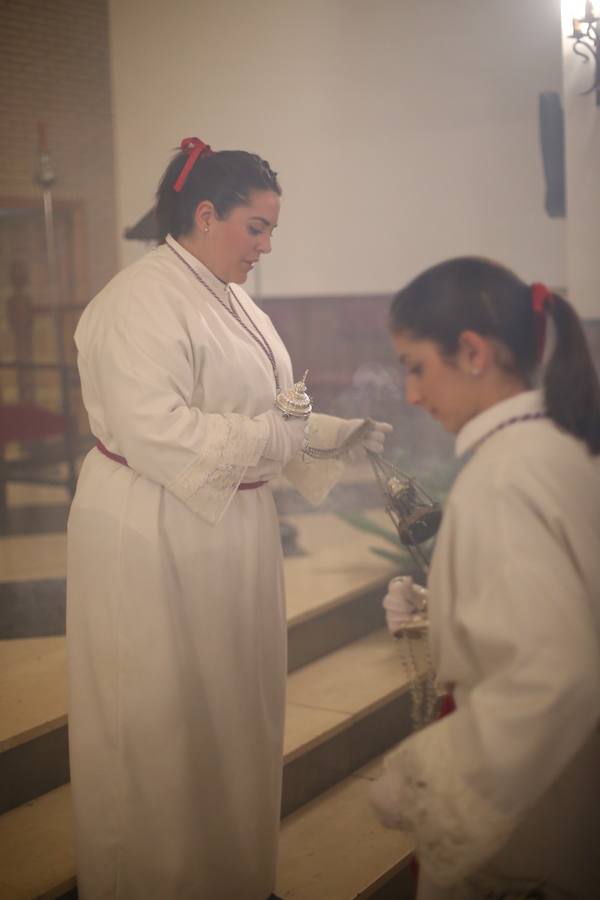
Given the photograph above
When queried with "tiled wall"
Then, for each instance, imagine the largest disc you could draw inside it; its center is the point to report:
(54, 70)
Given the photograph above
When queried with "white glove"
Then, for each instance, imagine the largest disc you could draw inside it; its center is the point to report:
(404, 603)
(373, 439)
(284, 441)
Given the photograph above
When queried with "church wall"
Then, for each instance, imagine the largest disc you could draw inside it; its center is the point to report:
(403, 132)
(582, 120)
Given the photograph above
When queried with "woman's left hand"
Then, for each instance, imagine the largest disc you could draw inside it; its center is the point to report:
(405, 603)
(372, 440)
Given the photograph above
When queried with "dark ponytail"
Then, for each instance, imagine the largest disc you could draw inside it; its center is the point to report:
(571, 385)
(226, 178)
(472, 294)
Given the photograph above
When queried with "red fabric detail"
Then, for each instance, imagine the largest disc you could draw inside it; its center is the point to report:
(447, 706)
(540, 296)
(250, 486)
(195, 148)
(541, 299)
(110, 455)
(414, 871)
(28, 422)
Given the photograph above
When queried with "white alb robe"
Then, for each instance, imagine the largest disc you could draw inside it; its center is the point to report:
(176, 626)
(506, 790)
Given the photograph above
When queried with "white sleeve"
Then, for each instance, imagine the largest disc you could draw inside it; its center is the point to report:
(143, 369)
(314, 478)
(463, 784)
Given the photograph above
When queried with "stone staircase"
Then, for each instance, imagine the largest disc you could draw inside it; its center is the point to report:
(347, 703)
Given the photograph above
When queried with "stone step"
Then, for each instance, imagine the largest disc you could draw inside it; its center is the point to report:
(36, 848)
(331, 849)
(33, 719)
(342, 709)
(333, 587)
(37, 608)
(32, 609)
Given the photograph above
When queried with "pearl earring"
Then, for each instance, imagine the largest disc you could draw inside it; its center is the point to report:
(475, 372)
(206, 230)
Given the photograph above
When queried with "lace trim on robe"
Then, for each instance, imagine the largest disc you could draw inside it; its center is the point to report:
(457, 830)
(208, 485)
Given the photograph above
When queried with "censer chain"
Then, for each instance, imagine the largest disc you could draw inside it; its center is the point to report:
(335, 452)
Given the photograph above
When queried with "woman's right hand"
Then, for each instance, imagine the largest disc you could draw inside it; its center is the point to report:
(284, 442)
(286, 436)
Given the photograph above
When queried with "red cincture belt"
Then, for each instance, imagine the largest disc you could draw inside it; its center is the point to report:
(114, 456)
(250, 486)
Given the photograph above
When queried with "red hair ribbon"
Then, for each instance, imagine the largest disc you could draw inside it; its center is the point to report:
(541, 299)
(195, 148)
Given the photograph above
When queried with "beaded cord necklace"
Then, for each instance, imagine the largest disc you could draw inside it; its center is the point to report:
(527, 417)
(254, 331)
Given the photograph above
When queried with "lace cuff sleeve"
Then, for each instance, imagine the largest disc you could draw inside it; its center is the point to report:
(208, 484)
(456, 829)
(314, 478)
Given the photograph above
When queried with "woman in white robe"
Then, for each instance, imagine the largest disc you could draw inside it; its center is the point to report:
(176, 625)
(503, 794)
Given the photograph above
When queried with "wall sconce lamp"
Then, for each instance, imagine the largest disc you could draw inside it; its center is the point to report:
(586, 34)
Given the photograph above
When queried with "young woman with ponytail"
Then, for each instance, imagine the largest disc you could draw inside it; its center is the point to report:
(503, 794)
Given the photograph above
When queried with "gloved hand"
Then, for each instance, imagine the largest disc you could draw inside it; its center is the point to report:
(404, 604)
(284, 441)
(373, 439)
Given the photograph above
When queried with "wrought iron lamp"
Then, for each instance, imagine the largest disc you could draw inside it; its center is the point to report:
(586, 34)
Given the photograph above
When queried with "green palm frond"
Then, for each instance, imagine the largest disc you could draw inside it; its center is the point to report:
(399, 559)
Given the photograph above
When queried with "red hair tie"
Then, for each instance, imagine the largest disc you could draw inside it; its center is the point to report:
(541, 299)
(196, 148)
